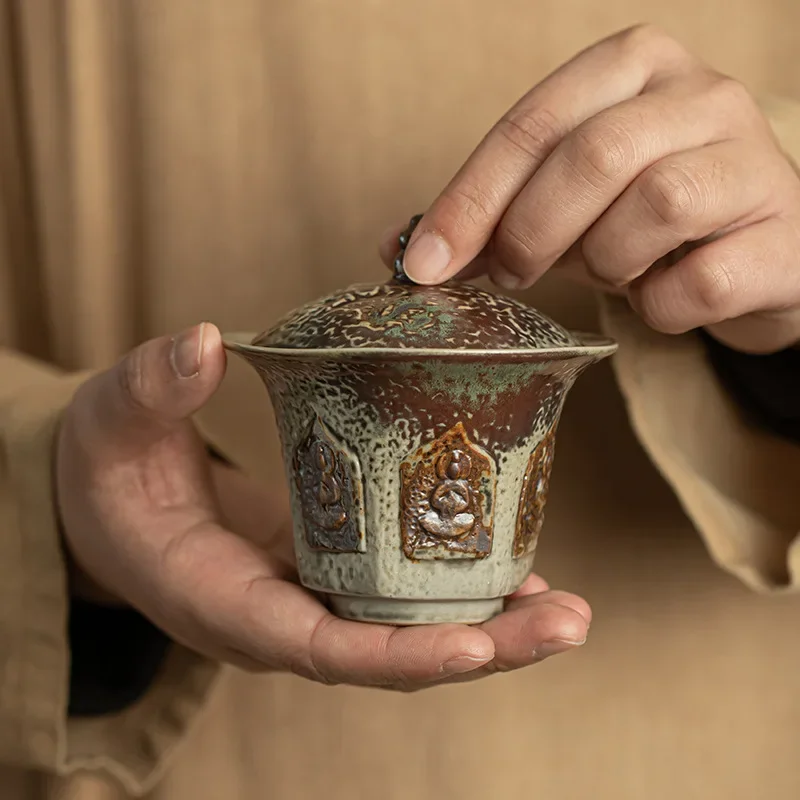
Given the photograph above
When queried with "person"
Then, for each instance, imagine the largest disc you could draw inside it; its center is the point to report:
(634, 167)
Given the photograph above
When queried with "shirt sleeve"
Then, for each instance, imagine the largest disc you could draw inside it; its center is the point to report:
(150, 711)
(115, 656)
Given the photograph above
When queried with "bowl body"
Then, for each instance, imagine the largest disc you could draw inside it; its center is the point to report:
(418, 478)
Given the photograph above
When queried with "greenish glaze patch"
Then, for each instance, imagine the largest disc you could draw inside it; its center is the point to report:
(414, 315)
(471, 384)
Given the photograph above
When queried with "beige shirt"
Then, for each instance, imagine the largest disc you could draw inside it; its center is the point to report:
(162, 163)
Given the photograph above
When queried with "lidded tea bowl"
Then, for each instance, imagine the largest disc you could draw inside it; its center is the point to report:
(418, 428)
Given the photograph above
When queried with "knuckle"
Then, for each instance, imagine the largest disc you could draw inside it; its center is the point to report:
(711, 288)
(651, 308)
(514, 249)
(466, 207)
(598, 266)
(600, 152)
(313, 667)
(705, 293)
(392, 674)
(646, 38)
(734, 100)
(672, 194)
(727, 92)
(659, 323)
(137, 390)
(534, 132)
(641, 34)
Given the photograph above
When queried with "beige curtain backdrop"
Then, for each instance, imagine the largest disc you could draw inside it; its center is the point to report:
(168, 161)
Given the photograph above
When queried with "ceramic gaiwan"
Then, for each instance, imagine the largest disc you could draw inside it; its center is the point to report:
(418, 426)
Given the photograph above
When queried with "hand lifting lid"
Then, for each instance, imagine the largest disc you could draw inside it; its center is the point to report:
(418, 427)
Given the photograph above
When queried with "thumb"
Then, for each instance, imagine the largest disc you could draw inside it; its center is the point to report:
(157, 386)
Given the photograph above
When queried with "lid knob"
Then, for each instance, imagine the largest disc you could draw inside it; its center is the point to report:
(400, 274)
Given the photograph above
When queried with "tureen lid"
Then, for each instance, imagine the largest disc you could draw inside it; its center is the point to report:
(396, 315)
(399, 314)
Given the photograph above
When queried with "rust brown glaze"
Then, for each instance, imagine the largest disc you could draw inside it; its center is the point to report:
(330, 494)
(454, 316)
(447, 496)
(535, 487)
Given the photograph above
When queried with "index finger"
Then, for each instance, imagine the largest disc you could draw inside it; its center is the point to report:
(461, 220)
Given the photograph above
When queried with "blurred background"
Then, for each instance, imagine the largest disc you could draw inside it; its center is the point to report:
(229, 159)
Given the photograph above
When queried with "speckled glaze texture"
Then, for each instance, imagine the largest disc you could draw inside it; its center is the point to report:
(394, 315)
(418, 434)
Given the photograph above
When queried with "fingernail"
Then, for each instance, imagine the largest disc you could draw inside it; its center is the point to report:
(553, 647)
(505, 279)
(456, 666)
(427, 258)
(187, 352)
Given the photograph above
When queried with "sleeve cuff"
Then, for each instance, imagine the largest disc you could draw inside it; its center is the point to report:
(736, 482)
(116, 655)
